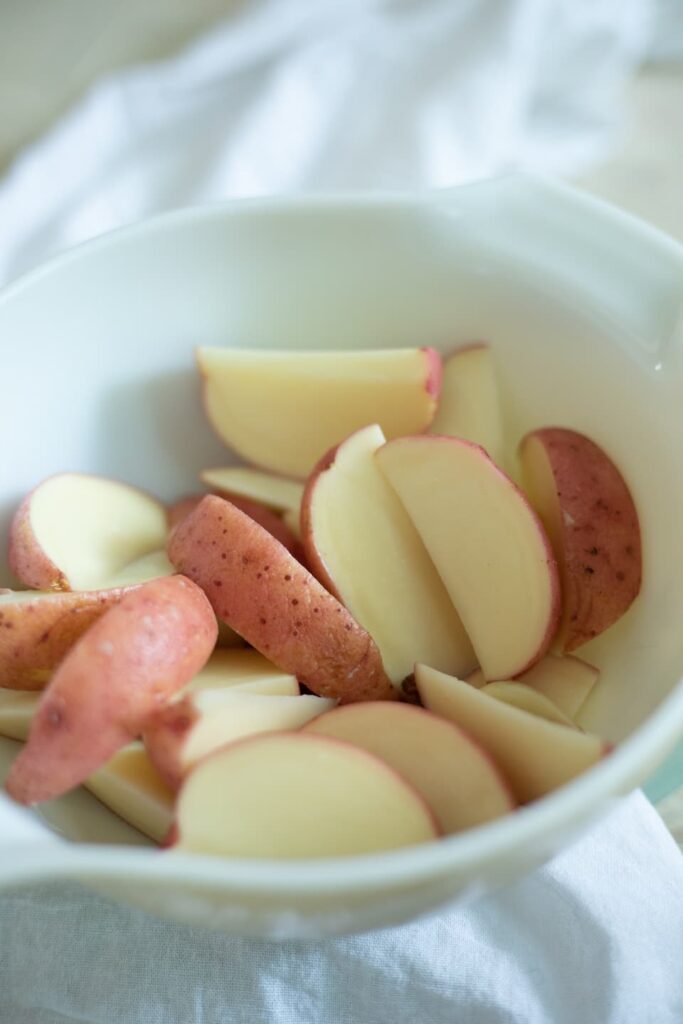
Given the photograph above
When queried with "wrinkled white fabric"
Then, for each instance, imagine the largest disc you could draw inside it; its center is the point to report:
(595, 937)
(325, 95)
(294, 94)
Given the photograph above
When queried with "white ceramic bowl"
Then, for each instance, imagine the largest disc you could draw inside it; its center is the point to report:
(582, 305)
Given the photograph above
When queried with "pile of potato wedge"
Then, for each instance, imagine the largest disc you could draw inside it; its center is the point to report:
(359, 639)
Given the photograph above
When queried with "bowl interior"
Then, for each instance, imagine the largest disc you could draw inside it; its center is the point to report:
(98, 353)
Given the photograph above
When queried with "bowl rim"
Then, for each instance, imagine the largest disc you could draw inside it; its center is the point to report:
(577, 803)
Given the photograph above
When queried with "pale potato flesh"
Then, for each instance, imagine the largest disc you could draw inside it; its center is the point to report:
(270, 599)
(17, 709)
(534, 755)
(130, 785)
(185, 731)
(37, 629)
(148, 567)
(469, 406)
(519, 695)
(275, 492)
(291, 517)
(243, 670)
(487, 544)
(456, 777)
(76, 532)
(283, 410)
(293, 795)
(360, 542)
(127, 665)
(592, 522)
(566, 681)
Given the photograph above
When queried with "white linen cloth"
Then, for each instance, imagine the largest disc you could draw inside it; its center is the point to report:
(294, 94)
(595, 937)
(351, 93)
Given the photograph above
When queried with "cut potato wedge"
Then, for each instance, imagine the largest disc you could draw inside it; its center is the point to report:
(535, 756)
(293, 795)
(130, 786)
(292, 519)
(76, 532)
(565, 681)
(588, 511)
(37, 629)
(527, 699)
(186, 731)
(456, 777)
(275, 492)
(242, 670)
(17, 709)
(144, 649)
(284, 410)
(361, 544)
(470, 404)
(487, 544)
(149, 567)
(178, 510)
(270, 599)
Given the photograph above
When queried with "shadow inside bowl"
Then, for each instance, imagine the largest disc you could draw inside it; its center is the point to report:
(153, 432)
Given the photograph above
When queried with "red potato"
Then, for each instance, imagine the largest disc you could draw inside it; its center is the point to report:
(119, 673)
(258, 588)
(269, 520)
(282, 410)
(181, 509)
(265, 517)
(77, 532)
(37, 630)
(589, 515)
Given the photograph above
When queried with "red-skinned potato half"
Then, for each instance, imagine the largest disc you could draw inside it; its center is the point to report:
(282, 410)
(37, 629)
(262, 592)
(591, 519)
(119, 673)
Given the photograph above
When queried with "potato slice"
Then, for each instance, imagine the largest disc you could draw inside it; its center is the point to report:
(243, 670)
(470, 404)
(37, 629)
(565, 681)
(518, 695)
(535, 756)
(293, 795)
(588, 511)
(136, 656)
(361, 544)
(76, 532)
(275, 492)
(284, 410)
(455, 776)
(185, 731)
(487, 544)
(262, 592)
(130, 786)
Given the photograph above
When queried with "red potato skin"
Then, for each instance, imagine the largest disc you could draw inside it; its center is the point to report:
(27, 560)
(181, 508)
(268, 519)
(434, 373)
(164, 738)
(117, 675)
(35, 635)
(601, 552)
(262, 592)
